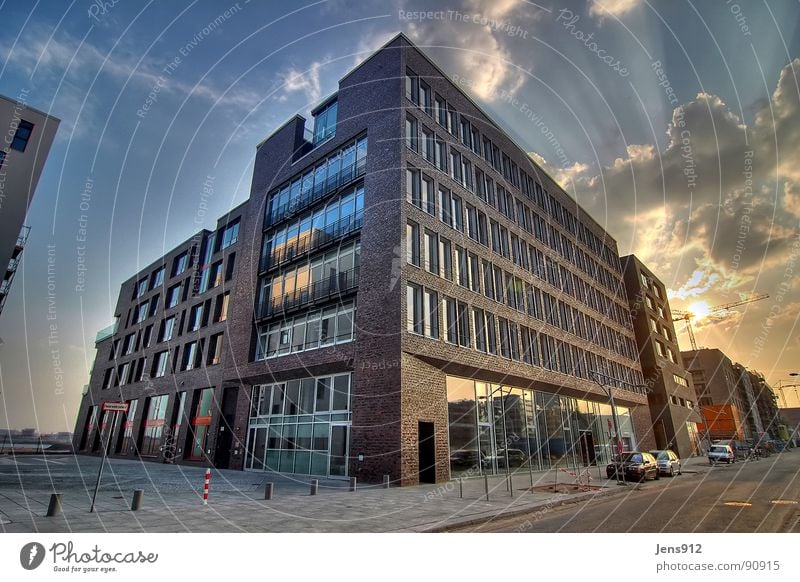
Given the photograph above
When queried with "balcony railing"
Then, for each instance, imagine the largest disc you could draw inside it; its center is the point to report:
(336, 284)
(106, 332)
(314, 240)
(318, 191)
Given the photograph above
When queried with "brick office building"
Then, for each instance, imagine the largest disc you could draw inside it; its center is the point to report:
(416, 298)
(672, 397)
(164, 356)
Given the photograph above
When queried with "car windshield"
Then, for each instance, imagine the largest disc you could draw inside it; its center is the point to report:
(719, 450)
(661, 455)
(632, 457)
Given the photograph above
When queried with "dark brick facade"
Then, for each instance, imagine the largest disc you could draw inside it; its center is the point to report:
(399, 377)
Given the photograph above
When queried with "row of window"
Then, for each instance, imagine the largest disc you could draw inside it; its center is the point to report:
(194, 355)
(495, 195)
(464, 217)
(677, 401)
(227, 236)
(321, 394)
(199, 316)
(342, 166)
(213, 276)
(310, 331)
(154, 431)
(472, 327)
(309, 279)
(460, 127)
(336, 218)
(680, 380)
(440, 257)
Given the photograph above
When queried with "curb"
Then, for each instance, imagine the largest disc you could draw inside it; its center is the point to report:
(570, 500)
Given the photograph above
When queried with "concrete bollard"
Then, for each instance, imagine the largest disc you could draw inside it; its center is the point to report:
(314, 487)
(269, 489)
(353, 483)
(54, 507)
(136, 504)
(386, 481)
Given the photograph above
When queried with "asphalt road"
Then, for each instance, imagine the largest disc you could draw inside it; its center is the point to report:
(736, 498)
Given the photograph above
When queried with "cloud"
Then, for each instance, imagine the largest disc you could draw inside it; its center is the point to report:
(306, 82)
(602, 9)
(714, 211)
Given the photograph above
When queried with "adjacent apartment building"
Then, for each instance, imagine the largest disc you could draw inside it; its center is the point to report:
(27, 137)
(723, 400)
(413, 296)
(672, 397)
(164, 357)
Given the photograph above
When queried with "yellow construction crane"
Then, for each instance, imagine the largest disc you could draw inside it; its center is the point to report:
(688, 315)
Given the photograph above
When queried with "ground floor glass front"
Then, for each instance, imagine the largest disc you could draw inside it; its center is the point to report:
(301, 426)
(493, 426)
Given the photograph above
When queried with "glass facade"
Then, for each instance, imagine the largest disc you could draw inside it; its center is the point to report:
(494, 427)
(301, 426)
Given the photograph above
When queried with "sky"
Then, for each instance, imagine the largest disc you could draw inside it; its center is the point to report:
(676, 125)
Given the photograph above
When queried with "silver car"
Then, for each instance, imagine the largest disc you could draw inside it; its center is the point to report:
(668, 462)
(721, 453)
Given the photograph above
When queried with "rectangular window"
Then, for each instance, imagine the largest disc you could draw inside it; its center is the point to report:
(214, 349)
(157, 278)
(441, 155)
(412, 244)
(413, 187)
(432, 252)
(428, 144)
(22, 135)
(431, 310)
(440, 110)
(447, 258)
(325, 123)
(462, 268)
(180, 264)
(428, 196)
(474, 273)
(221, 308)
(414, 316)
(412, 133)
(167, 329)
(160, 364)
(230, 234)
(173, 296)
(451, 319)
(480, 329)
(189, 356)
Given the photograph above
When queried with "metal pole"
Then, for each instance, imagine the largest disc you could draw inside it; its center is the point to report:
(616, 434)
(353, 483)
(54, 508)
(3, 446)
(505, 441)
(460, 487)
(314, 487)
(268, 490)
(136, 504)
(102, 464)
(486, 485)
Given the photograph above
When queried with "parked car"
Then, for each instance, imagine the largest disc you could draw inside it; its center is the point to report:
(636, 466)
(668, 462)
(467, 458)
(721, 453)
(516, 458)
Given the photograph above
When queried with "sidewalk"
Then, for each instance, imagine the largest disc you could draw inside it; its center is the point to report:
(236, 503)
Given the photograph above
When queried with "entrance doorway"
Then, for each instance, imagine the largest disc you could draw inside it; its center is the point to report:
(588, 452)
(222, 453)
(427, 452)
(337, 466)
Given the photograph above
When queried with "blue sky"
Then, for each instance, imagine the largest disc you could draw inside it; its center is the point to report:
(146, 135)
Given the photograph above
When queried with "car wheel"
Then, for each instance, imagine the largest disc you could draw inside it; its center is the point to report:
(672, 472)
(657, 475)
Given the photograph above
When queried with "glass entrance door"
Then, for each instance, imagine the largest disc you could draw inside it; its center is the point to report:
(338, 456)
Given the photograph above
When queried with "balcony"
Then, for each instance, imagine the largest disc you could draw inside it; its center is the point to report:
(106, 332)
(314, 240)
(316, 192)
(337, 284)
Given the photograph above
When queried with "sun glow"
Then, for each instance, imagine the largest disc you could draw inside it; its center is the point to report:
(699, 309)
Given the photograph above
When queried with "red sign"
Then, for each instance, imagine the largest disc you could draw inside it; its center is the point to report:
(619, 446)
(115, 407)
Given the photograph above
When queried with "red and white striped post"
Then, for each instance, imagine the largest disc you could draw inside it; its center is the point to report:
(205, 486)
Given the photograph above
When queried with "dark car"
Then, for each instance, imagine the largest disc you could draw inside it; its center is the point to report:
(636, 466)
(516, 457)
(466, 458)
(668, 462)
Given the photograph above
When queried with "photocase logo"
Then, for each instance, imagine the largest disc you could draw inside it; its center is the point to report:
(31, 555)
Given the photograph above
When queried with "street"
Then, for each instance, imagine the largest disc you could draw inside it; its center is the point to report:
(757, 496)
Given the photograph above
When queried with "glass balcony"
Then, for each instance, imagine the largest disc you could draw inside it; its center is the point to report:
(106, 332)
(312, 240)
(325, 289)
(318, 191)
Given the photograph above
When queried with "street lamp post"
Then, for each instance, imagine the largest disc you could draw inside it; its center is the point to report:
(607, 383)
